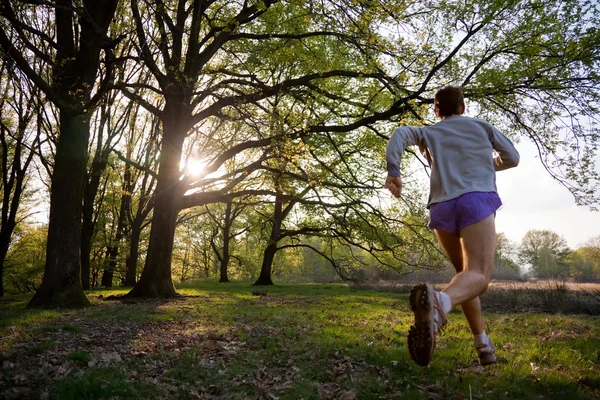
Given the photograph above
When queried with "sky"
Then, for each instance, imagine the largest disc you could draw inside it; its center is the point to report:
(532, 199)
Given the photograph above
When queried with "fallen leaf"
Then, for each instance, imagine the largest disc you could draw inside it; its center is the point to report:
(534, 367)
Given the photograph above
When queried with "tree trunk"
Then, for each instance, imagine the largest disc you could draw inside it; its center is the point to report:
(224, 265)
(107, 278)
(267, 265)
(156, 277)
(61, 286)
(90, 191)
(109, 273)
(3, 251)
(134, 248)
(225, 259)
(8, 227)
(113, 252)
(74, 72)
(87, 231)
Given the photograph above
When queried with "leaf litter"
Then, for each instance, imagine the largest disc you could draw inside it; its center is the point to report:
(155, 347)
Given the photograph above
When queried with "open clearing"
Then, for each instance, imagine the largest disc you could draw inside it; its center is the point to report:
(235, 341)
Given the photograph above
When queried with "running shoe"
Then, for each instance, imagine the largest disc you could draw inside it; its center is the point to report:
(486, 354)
(429, 320)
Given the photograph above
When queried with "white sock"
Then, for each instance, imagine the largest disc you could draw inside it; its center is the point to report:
(481, 339)
(445, 302)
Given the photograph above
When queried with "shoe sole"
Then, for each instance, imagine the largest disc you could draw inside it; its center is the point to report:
(421, 343)
(421, 338)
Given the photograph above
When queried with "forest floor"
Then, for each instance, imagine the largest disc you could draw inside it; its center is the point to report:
(314, 341)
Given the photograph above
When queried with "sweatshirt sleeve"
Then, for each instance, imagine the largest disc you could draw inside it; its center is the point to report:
(401, 138)
(508, 156)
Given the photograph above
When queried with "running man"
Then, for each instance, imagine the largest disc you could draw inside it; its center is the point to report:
(462, 202)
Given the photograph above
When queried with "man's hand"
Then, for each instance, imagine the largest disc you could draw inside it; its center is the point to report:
(394, 184)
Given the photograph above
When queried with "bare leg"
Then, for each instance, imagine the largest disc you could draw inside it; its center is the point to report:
(471, 308)
(472, 252)
(478, 242)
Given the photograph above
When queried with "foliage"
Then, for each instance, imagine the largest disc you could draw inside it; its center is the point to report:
(585, 261)
(546, 252)
(24, 264)
(505, 266)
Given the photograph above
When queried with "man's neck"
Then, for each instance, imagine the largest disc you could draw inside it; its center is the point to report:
(453, 115)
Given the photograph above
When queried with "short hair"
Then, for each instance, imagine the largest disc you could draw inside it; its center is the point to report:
(448, 100)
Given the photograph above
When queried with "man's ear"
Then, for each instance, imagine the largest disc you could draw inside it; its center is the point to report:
(461, 109)
(437, 111)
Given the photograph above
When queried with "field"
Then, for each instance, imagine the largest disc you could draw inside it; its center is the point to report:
(236, 341)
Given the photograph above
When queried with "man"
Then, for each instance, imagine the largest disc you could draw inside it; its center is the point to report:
(462, 203)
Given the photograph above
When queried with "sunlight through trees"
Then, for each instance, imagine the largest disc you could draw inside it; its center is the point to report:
(227, 139)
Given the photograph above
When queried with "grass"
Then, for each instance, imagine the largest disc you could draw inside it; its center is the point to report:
(286, 342)
(80, 356)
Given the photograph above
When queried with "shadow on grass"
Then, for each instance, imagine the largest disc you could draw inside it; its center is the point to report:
(295, 341)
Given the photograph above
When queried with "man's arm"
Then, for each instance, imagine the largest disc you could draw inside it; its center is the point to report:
(508, 156)
(401, 138)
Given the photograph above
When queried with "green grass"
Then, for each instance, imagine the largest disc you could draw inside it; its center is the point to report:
(80, 356)
(102, 383)
(43, 346)
(297, 341)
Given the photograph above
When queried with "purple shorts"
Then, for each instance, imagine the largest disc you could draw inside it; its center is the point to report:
(456, 214)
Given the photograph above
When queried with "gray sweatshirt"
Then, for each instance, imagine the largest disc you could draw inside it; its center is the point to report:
(459, 152)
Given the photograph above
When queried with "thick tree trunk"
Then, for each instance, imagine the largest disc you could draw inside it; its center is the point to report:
(61, 286)
(224, 278)
(267, 265)
(225, 259)
(156, 277)
(74, 72)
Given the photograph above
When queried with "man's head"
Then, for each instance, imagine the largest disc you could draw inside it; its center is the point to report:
(449, 101)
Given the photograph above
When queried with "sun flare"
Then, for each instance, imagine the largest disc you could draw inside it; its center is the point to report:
(196, 167)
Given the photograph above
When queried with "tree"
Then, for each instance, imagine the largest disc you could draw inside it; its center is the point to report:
(25, 259)
(108, 130)
(20, 106)
(80, 31)
(546, 252)
(591, 249)
(505, 266)
(585, 261)
(580, 268)
(139, 181)
(215, 38)
(335, 72)
(225, 224)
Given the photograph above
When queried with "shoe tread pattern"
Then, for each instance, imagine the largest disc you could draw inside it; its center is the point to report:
(421, 340)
